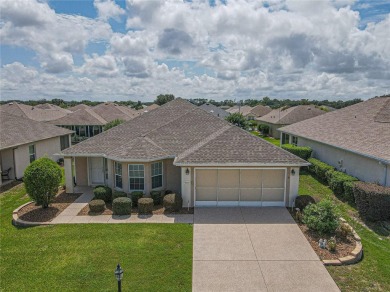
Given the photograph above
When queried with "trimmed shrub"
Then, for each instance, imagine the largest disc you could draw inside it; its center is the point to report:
(337, 182)
(372, 201)
(121, 206)
(329, 174)
(348, 191)
(302, 152)
(344, 230)
(321, 217)
(135, 196)
(302, 201)
(103, 193)
(145, 205)
(157, 197)
(118, 194)
(42, 178)
(167, 192)
(263, 128)
(97, 206)
(319, 168)
(172, 202)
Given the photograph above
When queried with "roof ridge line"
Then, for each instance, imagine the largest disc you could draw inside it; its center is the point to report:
(204, 142)
(154, 143)
(178, 117)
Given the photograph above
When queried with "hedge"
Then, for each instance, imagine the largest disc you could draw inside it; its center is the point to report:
(157, 196)
(372, 201)
(135, 196)
(121, 206)
(337, 181)
(103, 193)
(97, 206)
(172, 202)
(319, 168)
(302, 152)
(118, 194)
(145, 206)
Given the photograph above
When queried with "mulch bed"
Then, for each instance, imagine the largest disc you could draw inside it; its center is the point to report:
(157, 210)
(34, 213)
(344, 246)
(9, 186)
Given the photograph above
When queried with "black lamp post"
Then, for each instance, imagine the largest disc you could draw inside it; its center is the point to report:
(119, 275)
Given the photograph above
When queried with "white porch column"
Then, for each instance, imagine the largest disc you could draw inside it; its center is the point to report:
(186, 187)
(294, 185)
(68, 175)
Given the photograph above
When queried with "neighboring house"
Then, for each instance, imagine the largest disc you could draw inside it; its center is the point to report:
(258, 111)
(84, 122)
(111, 111)
(244, 110)
(148, 108)
(48, 106)
(36, 113)
(214, 110)
(24, 140)
(355, 139)
(77, 107)
(181, 147)
(286, 116)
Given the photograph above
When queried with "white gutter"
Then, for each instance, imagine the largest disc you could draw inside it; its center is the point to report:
(242, 164)
(345, 149)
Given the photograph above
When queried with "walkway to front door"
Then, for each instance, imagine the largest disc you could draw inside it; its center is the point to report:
(254, 249)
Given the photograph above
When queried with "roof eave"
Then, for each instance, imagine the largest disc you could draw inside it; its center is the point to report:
(253, 164)
(127, 159)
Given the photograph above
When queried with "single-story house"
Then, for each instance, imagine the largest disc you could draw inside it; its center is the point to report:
(77, 107)
(280, 117)
(355, 139)
(181, 147)
(24, 140)
(40, 113)
(111, 111)
(243, 109)
(258, 111)
(214, 110)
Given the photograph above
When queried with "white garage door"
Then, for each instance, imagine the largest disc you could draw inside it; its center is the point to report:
(240, 187)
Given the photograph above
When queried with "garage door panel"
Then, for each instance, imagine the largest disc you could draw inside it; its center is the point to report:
(250, 194)
(225, 194)
(273, 178)
(206, 194)
(250, 178)
(273, 195)
(229, 178)
(207, 178)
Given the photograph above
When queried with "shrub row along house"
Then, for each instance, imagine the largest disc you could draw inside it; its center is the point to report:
(355, 139)
(183, 148)
(24, 140)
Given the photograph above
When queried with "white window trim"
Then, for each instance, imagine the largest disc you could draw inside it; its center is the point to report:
(162, 174)
(128, 169)
(115, 175)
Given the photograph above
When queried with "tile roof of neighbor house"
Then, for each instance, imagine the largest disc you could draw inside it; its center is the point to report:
(81, 117)
(214, 110)
(291, 115)
(111, 111)
(259, 111)
(245, 109)
(187, 133)
(32, 112)
(16, 130)
(77, 107)
(362, 128)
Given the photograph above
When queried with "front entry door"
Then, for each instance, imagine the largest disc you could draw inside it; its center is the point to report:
(96, 170)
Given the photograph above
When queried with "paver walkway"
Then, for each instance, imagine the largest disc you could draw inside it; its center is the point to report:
(69, 215)
(254, 249)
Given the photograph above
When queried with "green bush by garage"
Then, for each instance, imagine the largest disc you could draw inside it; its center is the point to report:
(302, 152)
(319, 168)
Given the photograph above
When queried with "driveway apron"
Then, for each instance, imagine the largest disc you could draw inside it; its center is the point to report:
(254, 249)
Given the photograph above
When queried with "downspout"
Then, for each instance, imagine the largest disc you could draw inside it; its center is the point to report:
(13, 160)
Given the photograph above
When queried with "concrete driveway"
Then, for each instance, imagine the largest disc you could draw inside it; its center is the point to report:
(254, 249)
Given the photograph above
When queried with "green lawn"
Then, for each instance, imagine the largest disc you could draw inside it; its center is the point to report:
(83, 257)
(373, 272)
(276, 142)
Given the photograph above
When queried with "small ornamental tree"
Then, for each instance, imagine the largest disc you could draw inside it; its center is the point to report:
(112, 124)
(237, 119)
(42, 178)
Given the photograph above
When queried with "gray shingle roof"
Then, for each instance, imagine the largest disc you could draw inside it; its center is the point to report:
(81, 117)
(259, 111)
(33, 113)
(77, 107)
(180, 129)
(111, 111)
(214, 110)
(291, 115)
(245, 109)
(363, 128)
(15, 130)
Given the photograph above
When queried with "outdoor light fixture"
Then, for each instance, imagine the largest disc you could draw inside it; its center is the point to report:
(187, 171)
(119, 275)
(293, 172)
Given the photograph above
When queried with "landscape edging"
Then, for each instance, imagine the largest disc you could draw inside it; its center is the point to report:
(353, 257)
(16, 221)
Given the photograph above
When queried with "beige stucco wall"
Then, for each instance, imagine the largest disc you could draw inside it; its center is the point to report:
(81, 167)
(173, 177)
(365, 169)
(47, 147)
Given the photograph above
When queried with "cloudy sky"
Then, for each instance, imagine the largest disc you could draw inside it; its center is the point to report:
(137, 49)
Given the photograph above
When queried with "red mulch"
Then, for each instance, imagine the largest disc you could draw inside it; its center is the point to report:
(344, 246)
(34, 213)
(157, 210)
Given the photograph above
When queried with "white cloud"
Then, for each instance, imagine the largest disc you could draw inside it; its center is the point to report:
(108, 9)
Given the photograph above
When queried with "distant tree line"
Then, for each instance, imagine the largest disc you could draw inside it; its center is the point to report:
(164, 98)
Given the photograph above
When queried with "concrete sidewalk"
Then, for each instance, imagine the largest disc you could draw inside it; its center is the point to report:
(254, 249)
(69, 215)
